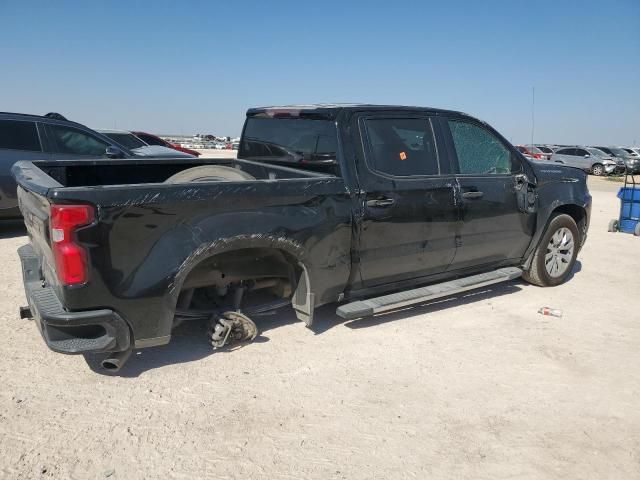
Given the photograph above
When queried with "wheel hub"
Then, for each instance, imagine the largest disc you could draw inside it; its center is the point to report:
(559, 252)
(231, 329)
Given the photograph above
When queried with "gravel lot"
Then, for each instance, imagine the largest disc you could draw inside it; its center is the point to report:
(477, 387)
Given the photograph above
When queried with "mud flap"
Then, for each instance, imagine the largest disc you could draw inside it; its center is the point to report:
(303, 299)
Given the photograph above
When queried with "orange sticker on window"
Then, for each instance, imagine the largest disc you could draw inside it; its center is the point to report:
(403, 156)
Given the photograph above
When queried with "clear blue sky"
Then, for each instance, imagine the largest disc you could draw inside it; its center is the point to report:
(188, 67)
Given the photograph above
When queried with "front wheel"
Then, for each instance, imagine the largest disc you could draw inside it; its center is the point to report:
(613, 225)
(636, 231)
(556, 253)
(597, 170)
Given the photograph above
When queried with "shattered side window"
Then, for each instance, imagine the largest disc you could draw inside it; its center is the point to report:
(479, 152)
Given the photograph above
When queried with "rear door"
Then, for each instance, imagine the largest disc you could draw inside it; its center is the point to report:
(409, 211)
(494, 227)
(19, 140)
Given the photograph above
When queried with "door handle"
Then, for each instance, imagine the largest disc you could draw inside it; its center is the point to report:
(381, 202)
(472, 195)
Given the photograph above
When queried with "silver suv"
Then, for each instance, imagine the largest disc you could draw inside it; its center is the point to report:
(589, 159)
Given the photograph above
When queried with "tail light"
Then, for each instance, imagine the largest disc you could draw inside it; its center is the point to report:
(71, 258)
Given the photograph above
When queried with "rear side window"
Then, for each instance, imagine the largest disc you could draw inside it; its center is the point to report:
(479, 151)
(76, 142)
(151, 140)
(19, 135)
(297, 140)
(402, 146)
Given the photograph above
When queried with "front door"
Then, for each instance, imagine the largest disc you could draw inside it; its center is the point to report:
(409, 212)
(496, 222)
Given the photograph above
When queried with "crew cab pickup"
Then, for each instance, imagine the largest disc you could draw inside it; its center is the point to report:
(370, 207)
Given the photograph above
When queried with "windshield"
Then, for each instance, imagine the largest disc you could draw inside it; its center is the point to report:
(127, 140)
(289, 140)
(545, 149)
(608, 151)
(597, 152)
(618, 152)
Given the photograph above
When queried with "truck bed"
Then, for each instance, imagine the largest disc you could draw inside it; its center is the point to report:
(148, 235)
(74, 173)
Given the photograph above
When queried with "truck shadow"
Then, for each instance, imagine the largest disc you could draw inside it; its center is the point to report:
(189, 340)
(12, 229)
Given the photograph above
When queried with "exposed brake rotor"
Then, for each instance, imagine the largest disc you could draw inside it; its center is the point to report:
(231, 329)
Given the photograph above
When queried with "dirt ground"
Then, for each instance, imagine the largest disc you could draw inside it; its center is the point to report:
(478, 387)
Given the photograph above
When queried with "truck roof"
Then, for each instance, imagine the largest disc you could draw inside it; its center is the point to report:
(48, 118)
(331, 110)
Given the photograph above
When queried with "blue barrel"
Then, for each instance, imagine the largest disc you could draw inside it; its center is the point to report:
(630, 211)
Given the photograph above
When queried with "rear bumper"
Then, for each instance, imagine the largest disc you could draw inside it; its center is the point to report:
(69, 332)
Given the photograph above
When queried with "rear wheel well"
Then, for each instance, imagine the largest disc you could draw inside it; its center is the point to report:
(235, 266)
(268, 270)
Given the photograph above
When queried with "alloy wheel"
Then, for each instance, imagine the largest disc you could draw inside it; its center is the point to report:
(559, 252)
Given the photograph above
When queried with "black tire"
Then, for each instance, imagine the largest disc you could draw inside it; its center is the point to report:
(538, 274)
(613, 225)
(598, 169)
(210, 173)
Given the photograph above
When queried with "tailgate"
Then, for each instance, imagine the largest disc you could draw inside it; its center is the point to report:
(33, 188)
(35, 210)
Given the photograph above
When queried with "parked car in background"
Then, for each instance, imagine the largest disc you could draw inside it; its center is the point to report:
(631, 152)
(590, 160)
(632, 163)
(141, 149)
(532, 151)
(151, 139)
(546, 149)
(45, 137)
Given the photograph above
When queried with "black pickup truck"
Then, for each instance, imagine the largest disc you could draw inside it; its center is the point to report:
(373, 207)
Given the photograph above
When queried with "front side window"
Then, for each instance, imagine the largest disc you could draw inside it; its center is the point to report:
(76, 142)
(566, 151)
(19, 135)
(128, 140)
(402, 146)
(479, 151)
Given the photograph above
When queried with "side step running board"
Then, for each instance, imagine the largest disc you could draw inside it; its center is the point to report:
(366, 308)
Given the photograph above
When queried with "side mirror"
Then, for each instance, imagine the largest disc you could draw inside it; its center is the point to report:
(587, 156)
(113, 152)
